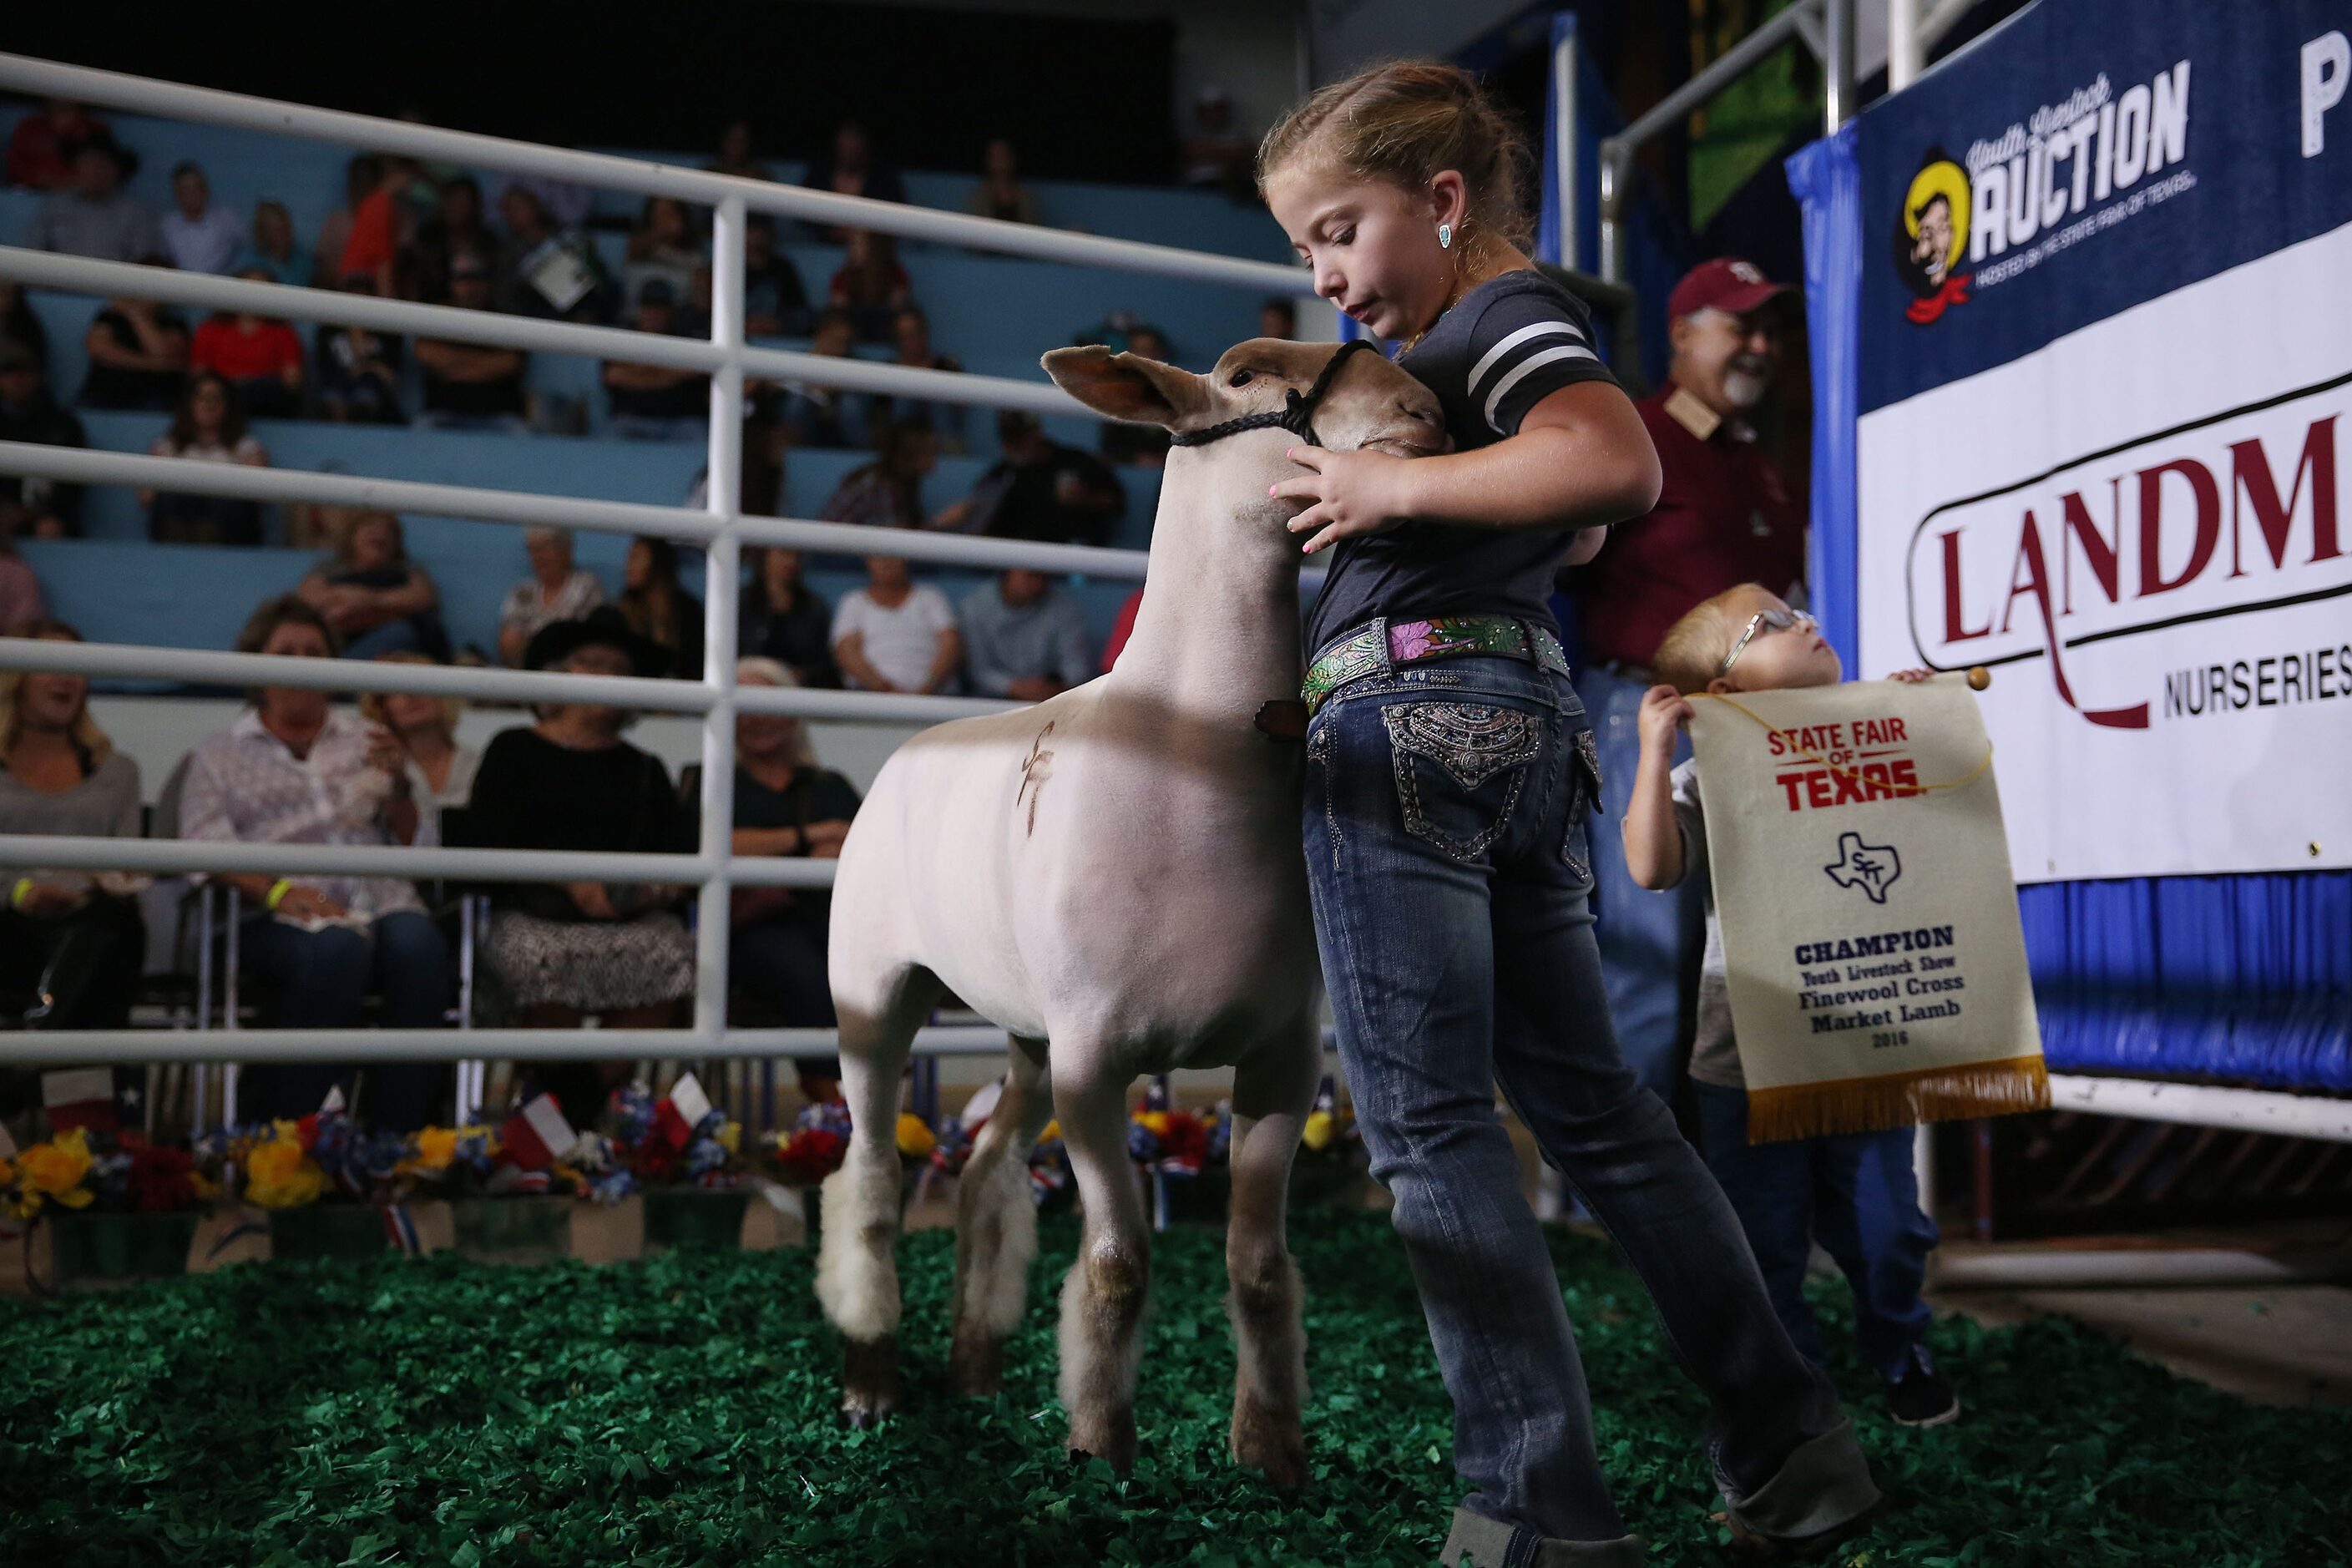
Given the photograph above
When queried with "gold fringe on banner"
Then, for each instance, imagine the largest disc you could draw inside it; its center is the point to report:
(1898, 1100)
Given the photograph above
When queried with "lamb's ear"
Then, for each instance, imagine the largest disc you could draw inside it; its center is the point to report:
(1127, 387)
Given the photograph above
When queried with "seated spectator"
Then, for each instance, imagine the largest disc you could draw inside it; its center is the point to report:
(197, 236)
(889, 491)
(92, 214)
(663, 247)
(469, 386)
(382, 224)
(850, 169)
(30, 508)
(871, 285)
(20, 590)
(260, 357)
(274, 250)
(815, 416)
(544, 270)
(1122, 628)
(1040, 490)
(556, 590)
(656, 605)
(736, 156)
(784, 804)
(71, 939)
(775, 302)
(138, 356)
(561, 953)
(358, 370)
(1139, 446)
(894, 634)
(656, 402)
(373, 597)
(19, 325)
(1023, 638)
(781, 619)
(567, 206)
(911, 330)
(292, 770)
(1000, 194)
(38, 149)
(438, 773)
(1212, 157)
(362, 176)
(208, 427)
(457, 228)
(1278, 318)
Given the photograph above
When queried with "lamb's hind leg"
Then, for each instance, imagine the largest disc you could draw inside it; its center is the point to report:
(1273, 1091)
(996, 1226)
(1103, 1298)
(857, 1270)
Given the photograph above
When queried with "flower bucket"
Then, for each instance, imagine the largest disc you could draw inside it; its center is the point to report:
(512, 1230)
(348, 1231)
(108, 1248)
(695, 1219)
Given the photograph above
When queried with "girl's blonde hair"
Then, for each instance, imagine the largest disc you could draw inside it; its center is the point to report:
(1406, 123)
(86, 733)
(1691, 653)
(372, 703)
(776, 673)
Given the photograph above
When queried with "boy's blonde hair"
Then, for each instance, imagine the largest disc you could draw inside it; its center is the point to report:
(1691, 653)
(1406, 123)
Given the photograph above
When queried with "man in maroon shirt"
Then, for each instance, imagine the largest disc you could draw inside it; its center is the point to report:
(1724, 518)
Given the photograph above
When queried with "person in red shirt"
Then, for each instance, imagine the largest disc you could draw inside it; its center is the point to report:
(258, 355)
(37, 160)
(1725, 517)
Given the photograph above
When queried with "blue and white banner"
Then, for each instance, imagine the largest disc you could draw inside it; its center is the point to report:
(2103, 375)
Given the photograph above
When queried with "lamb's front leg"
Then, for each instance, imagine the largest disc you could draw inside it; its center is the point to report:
(1273, 1093)
(1103, 1298)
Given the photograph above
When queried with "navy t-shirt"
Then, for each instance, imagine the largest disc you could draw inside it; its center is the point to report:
(1503, 347)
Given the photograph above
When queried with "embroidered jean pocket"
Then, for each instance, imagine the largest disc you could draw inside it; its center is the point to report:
(1584, 804)
(1460, 767)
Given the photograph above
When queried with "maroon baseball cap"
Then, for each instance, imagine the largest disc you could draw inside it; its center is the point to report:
(1727, 283)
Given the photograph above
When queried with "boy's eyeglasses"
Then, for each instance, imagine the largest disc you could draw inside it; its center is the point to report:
(1768, 620)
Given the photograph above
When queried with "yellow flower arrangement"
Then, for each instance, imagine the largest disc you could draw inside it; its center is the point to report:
(279, 1175)
(54, 1171)
(916, 1140)
(436, 1147)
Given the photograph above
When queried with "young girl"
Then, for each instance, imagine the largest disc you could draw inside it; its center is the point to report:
(1450, 768)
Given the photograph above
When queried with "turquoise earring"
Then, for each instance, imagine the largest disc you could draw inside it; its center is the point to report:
(1445, 237)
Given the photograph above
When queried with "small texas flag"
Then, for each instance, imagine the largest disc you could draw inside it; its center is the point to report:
(80, 1096)
(7, 1144)
(677, 1116)
(537, 1135)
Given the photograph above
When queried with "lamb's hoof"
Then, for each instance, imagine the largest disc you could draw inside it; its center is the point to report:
(869, 1381)
(1269, 1441)
(976, 1363)
(1110, 1440)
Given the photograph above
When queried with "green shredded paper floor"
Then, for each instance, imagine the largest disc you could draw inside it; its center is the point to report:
(680, 1411)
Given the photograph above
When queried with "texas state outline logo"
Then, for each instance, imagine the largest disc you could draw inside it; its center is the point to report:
(1931, 235)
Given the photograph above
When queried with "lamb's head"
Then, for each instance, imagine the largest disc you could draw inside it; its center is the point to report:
(1362, 400)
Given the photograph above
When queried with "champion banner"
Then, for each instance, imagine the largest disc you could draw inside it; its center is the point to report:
(1870, 931)
(2104, 366)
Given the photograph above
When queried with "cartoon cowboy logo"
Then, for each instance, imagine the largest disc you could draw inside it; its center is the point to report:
(1931, 235)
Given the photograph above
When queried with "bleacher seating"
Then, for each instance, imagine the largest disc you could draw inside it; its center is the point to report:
(995, 313)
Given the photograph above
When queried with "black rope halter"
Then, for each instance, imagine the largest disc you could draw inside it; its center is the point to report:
(1298, 415)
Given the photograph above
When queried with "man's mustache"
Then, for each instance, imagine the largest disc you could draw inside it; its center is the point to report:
(1754, 364)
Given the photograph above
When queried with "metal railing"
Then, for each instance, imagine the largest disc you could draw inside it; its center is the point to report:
(719, 528)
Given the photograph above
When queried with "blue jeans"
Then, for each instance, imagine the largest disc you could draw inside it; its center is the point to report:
(1859, 1195)
(1647, 939)
(322, 979)
(1445, 823)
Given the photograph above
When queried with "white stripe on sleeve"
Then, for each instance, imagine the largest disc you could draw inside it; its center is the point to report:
(1539, 330)
(1494, 398)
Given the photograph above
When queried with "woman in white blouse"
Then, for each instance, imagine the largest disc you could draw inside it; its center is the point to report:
(438, 771)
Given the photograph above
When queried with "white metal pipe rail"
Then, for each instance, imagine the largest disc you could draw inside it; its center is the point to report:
(78, 1047)
(174, 100)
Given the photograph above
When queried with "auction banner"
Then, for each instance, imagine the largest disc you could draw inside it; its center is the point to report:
(2104, 368)
(1870, 928)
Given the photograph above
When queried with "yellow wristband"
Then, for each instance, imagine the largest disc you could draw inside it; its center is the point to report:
(277, 894)
(16, 894)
